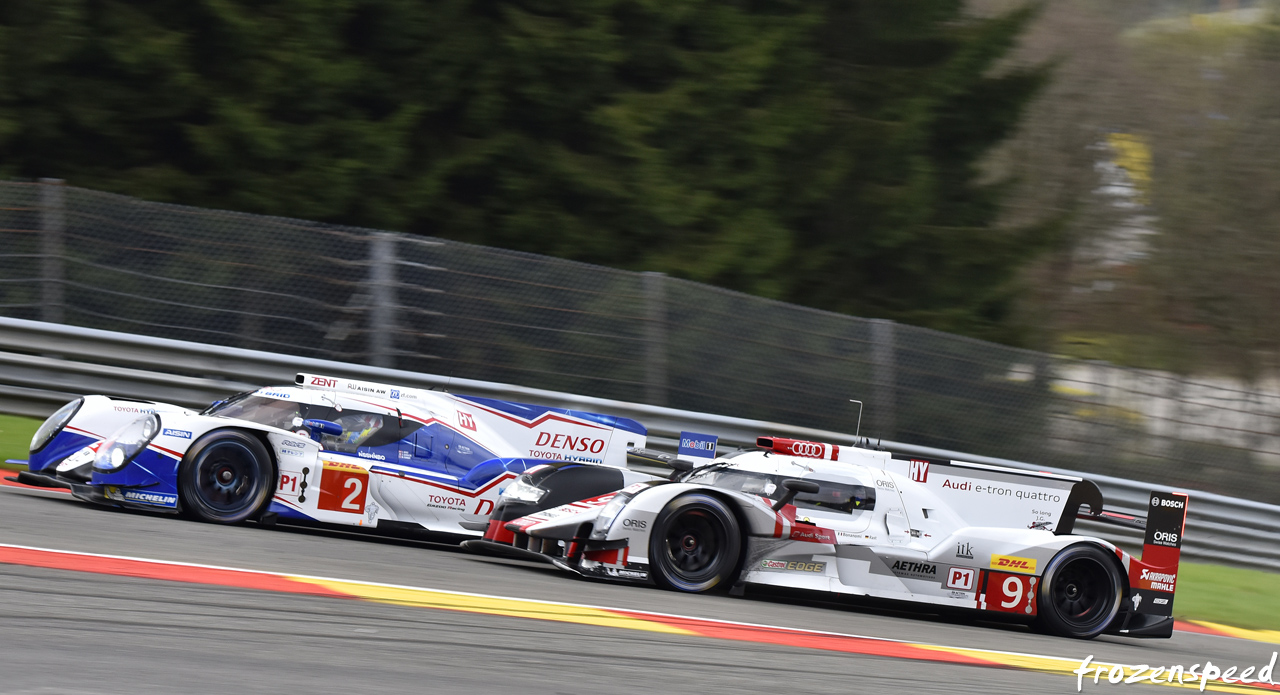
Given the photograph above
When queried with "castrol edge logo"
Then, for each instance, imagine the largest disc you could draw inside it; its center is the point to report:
(1012, 563)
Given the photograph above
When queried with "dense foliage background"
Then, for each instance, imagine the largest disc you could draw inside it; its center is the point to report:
(823, 152)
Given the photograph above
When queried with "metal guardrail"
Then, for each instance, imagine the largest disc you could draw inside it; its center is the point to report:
(43, 365)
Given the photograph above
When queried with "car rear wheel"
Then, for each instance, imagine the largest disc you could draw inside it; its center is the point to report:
(1080, 593)
(226, 477)
(695, 544)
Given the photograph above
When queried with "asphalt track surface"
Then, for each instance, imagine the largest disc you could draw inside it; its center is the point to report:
(77, 632)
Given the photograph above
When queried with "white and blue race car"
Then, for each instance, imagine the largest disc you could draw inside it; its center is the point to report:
(324, 449)
(861, 522)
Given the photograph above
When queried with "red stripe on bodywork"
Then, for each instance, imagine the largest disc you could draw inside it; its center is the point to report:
(498, 533)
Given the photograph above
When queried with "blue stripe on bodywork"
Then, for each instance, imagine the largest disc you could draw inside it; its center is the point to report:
(287, 512)
(531, 412)
(63, 445)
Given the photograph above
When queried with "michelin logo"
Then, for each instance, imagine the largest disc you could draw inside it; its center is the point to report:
(156, 499)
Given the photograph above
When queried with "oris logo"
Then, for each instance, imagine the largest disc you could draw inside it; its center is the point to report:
(635, 523)
(1164, 537)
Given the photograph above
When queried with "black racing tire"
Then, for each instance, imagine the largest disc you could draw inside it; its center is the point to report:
(695, 544)
(226, 477)
(1080, 593)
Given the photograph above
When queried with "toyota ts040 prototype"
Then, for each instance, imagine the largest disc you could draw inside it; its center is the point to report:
(858, 521)
(326, 450)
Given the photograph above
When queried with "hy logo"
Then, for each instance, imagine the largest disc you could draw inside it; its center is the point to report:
(920, 471)
(466, 421)
(1011, 563)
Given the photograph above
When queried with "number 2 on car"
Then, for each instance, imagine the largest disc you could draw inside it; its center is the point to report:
(343, 487)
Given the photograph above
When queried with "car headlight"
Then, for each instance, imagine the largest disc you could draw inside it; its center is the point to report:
(604, 520)
(523, 491)
(120, 448)
(54, 424)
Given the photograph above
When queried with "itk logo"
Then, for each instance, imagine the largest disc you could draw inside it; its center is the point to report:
(964, 550)
(920, 471)
(466, 421)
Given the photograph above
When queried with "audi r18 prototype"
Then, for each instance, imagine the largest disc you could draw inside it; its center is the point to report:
(850, 520)
(326, 450)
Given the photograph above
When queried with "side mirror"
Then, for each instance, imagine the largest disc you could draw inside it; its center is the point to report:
(318, 428)
(793, 487)
(682, 465)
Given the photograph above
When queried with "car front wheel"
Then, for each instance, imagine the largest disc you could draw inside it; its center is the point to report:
(695, 544)
(226, 477)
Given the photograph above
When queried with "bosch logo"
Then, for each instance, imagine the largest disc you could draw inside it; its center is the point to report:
(1155, 501)
(1176, 504)
(635, 523)
(808, 449)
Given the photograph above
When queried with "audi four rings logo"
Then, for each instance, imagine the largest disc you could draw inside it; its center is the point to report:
(810, 449)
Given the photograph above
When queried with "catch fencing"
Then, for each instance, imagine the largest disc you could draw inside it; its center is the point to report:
(97, 260)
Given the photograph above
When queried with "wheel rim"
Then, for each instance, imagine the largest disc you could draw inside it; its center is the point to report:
(1081, 592)
(227, 477)
(694, 541)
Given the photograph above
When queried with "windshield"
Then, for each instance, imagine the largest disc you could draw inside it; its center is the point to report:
(359, 428)
(273, 412)
(840, 497)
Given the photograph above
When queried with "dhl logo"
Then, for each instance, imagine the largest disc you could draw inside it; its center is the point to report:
(1010, 563)
(342, 466)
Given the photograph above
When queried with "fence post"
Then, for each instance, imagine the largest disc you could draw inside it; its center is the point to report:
(53, 222)
(382, 290)
(884, 376)
(655, 338)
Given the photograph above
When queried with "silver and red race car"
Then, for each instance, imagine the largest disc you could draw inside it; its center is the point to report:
(860, 521)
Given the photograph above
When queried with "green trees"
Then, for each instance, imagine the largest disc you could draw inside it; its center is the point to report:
(818, 152)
